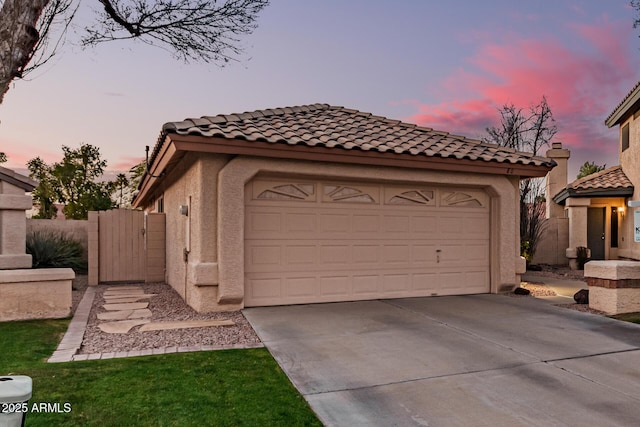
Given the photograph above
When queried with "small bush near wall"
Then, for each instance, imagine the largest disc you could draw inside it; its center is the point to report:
(75, 229)
(51, 249)
(582, 255)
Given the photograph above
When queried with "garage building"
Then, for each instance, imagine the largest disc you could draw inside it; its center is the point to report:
(321, 204)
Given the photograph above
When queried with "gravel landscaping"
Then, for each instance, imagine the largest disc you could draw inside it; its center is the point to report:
(167, 305)
(565, 273)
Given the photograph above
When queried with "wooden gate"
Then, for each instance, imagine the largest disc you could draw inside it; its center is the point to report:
(126, 246)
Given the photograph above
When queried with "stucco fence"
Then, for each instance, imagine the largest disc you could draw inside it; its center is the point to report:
(41, 293)
(75, 229)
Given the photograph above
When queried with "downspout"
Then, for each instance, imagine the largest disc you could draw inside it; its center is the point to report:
(186, 210)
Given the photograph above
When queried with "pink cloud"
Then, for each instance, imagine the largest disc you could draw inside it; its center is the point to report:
(125, 163)
(582, 84)
(17, 158)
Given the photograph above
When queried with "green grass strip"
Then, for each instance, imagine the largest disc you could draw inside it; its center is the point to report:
(214, 388)
(628, 317)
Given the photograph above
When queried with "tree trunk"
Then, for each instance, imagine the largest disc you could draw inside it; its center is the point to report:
(18, 37)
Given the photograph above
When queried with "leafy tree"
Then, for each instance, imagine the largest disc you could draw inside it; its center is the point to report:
(3, 157)
(125, 186)
(72, 182)
(589, 168)
(528, 131)
(200, 30)
(120, 187)
(43, 195)
(135, 175)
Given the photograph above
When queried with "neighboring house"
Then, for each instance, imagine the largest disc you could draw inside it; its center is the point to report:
(593, 211)
(320, 203)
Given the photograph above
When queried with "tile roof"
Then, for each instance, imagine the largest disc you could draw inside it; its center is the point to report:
(609, 182)
(613, 177)
(322, 125)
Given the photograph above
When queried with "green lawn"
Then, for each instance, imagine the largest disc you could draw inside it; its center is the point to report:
(628, 317)
(214, 388)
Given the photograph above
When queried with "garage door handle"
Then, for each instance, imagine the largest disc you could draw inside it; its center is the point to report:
(438, 256)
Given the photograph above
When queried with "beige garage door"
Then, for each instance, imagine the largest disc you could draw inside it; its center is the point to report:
(316, 241)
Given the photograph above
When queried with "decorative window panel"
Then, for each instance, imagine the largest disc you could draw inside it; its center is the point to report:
(404, 196)
(460, 199)
(349, 194)
(284, 191)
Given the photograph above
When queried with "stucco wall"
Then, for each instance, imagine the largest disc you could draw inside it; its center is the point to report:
(504, 192)
(212, 279)
(630, 162)
(194, 184)
(13, 203)
(75, 229)
(35, 293)
(553, 243)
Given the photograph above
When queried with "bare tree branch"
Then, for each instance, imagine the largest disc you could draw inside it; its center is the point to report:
(530, 133)
(55, 20)
(523, 132)
(200, 30)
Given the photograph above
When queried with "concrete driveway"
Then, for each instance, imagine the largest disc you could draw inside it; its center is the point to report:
(484, 360)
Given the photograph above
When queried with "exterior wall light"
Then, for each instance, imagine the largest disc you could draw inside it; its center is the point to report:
(184, 210)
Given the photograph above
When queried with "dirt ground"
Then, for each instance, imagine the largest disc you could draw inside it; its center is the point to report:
(558, 271)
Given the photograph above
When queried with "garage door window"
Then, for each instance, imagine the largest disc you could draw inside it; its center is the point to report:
(410, 197)
(301, 192)
(348, 194)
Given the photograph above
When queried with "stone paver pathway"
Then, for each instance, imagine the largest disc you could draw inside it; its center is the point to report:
(121, 326)
(123, 309)
(125, 312)
(163, 326)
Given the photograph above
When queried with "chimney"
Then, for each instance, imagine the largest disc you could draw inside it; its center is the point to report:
(556, 178)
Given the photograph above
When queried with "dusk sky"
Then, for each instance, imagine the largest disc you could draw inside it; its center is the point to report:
(448, 65)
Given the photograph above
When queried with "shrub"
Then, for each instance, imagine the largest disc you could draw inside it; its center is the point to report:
(50, 249)
(581, 257)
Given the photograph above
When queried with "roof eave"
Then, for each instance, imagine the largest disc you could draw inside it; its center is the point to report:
(621, 111)
(566, 193)
(175, 145)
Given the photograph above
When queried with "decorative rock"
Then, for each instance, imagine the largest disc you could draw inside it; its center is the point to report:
(122, 294)
(161, 326)
(121, 327)
(125, 314)
(126, 306)
(521, 291)
(122, 288)
(582, 296)
(136, 295)
(127, 299)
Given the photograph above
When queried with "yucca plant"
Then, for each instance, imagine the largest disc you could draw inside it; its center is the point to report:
(51, 249)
